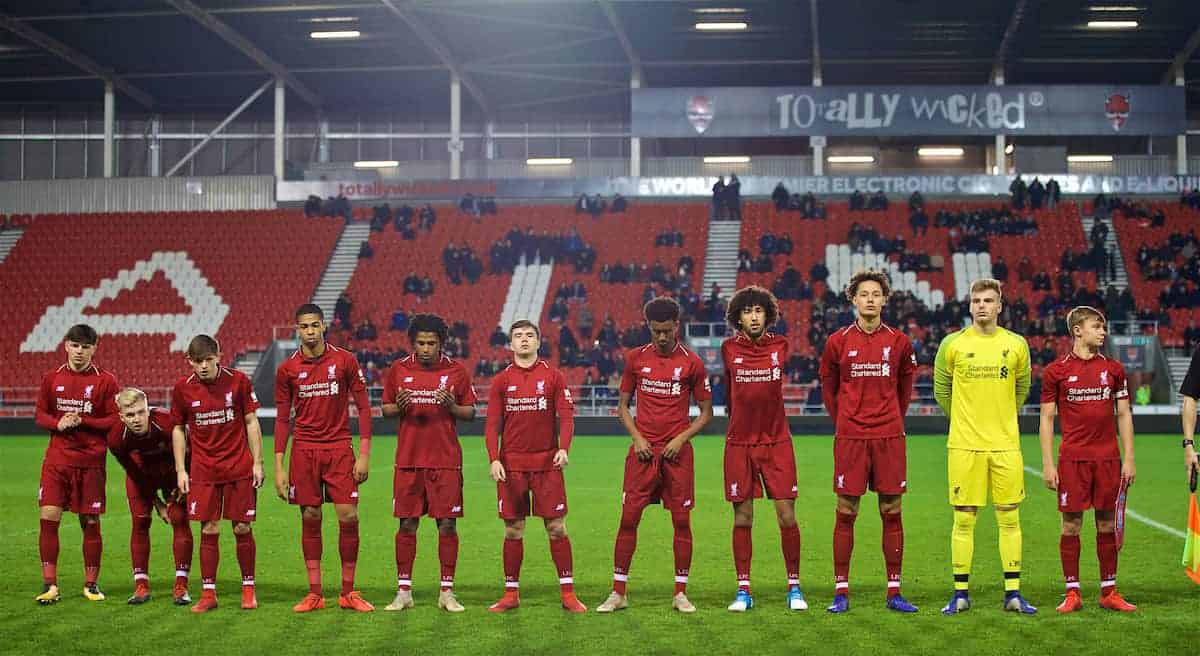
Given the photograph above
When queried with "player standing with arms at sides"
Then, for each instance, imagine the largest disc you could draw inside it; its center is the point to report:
(1084, 388)
(981, 378)
(530, 423)
(867, 372)
(429, 392)
(318, 381)
(660, 464)
(77, 405)
(141, 442)
(213, 411)
(1190, 391)
(759, 456)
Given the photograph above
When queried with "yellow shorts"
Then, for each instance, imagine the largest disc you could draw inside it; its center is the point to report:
(973, 473)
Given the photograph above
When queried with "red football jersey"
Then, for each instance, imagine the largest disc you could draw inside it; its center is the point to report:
(1086, 392)
(754, 371)
(428, 438)
(92, 394)
(320, 390)
(533, 409)
(215, 416)
(866, 381)
(663, 387)
(144, 456)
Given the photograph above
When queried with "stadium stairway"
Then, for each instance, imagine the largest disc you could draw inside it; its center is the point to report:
(8, 239)
(1112, 245)
(526, 293)
(248, 362)
(340, 268)
(721, 256)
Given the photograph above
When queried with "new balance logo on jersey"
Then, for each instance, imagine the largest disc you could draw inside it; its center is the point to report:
(646, 370)
(195, 404)
(303, 375)
(408, 379)
(512, 388)
(971, 355)
(1072, 379)
(60, 388)
(737, 360)
(852, 354)
(354, 494)
(250, 513)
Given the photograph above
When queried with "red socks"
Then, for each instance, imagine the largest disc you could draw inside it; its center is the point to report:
(743, 550)
(310, 546)
(893, 550)
(181, 544)
(139, 547)
(210, 556)
(789, 537)
(1068, 550)
(48, 551)
(682, 522)
(843, 547)
(93, 547)
(624, 548)
(448, 556)
(406, 553)
(348, 550)
(1106, 552)
(514, 553)
(245, 555)
(560, 553)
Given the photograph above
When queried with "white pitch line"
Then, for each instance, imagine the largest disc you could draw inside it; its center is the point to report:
(1134, 514)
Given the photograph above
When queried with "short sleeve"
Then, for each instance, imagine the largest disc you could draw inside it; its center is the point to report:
(1120, 383)
(246, 393)
(464, 392)
(178, 407)
(701, 389)
(629, 376)
(389, 385)
(1050, 385)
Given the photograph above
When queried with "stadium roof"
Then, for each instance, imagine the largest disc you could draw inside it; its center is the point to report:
(565, 57)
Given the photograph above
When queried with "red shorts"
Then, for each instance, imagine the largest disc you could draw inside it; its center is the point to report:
(752, 470)
(879, 465)
(434, 492)
(232, 500)
(672, 482)
(141, 496)
(539, 493)
(1084, 484)
(319, 475)
(77, 489)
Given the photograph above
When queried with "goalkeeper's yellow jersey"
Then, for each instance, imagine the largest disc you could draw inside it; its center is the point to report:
(981, 382)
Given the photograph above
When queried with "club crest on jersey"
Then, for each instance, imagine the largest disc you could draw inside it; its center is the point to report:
(541, 387)
(332, 371)
(677, 373)
(1103, 377)
(228, 399)
(443, 381)
(887, 352)
(774, 358)
(87, 391)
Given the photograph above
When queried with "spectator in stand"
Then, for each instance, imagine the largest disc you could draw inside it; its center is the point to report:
(399, 320)
(919, 221)
(341, 310)
(819, 272)
(916, 201)
(717, 383)
(427, 217)
(619, 204)
(365, 251)
(1053, 193)
(1000, 269)
(878, 202)
(312, 206)
(1190, 198)
(1018, 189)
(1037, 191)
(558, 311)
(365, 331)
(584, 321)
(598, 206)
(783, 245)
(733, 194)
(1025, 269)
(857, 200)
(780, 197)
(498, 339)
(766, 244)
(583, 205)
(468, 204)
(426, 289)
(684, 266)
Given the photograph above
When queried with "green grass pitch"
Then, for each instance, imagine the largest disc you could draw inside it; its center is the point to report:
(1150, 572)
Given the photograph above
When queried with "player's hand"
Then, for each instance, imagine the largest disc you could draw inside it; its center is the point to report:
(1190, 461)
(181, 480)
(672, 449)
(257, 472)
(498, 473)
(402, 399)
(161, 509)
(175, 496)
(68, 421)
(281, 483)
(444, 398)
(362, 466)
(641, 447)
(1128, 471)
(1050, 477)
(560, 459)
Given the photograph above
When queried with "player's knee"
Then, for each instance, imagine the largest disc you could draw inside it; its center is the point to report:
(241, 528)
(447, 526)
(88, 520)
(889, 505)
(347, 515)
(50, 513)
(556, 530)
(849, 505)
(311, 513)
(1106, 522)
(410, 524)
(141, 523)
(1008, 517)
(682, 522)
(514, 530)
(210, 528)
(964, 520)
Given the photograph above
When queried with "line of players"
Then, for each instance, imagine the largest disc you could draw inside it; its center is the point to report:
(203, 462)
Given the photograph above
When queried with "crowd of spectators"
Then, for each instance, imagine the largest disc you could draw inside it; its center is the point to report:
(596, 205)
(727, 199)
(1035, 194)
(669, 238)
(332, 206)
(506, 254)
(807, 205)
(877, 201)
(461, 262)
(477, 205)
